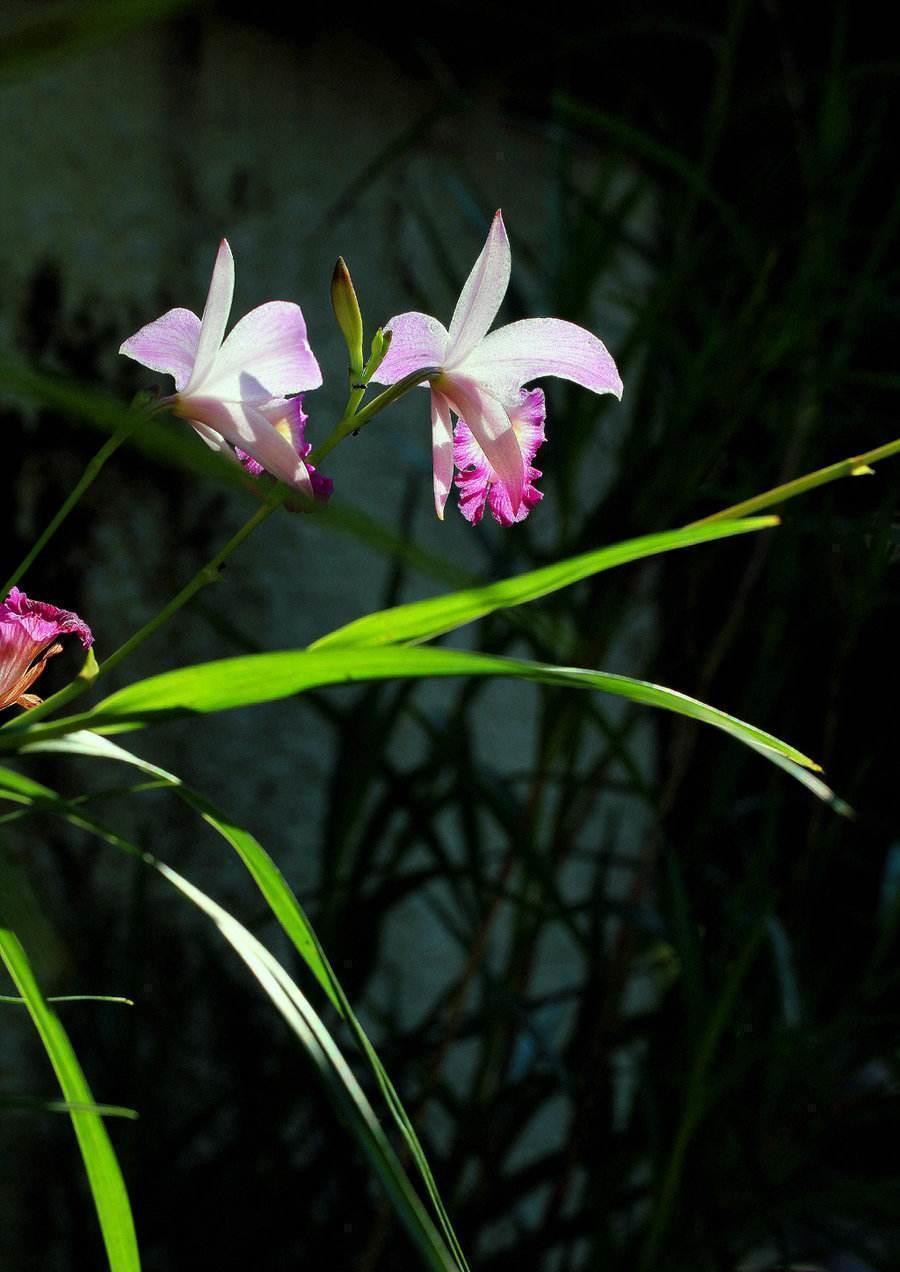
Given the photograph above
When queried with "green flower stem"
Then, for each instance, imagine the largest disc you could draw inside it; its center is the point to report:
(109, 447)
(352, 420)
(208, 574)
(856, 465)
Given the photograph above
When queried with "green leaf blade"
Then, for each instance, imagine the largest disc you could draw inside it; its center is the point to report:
(282, 902)
(423, 620)
(255, 678)
(105, 1178)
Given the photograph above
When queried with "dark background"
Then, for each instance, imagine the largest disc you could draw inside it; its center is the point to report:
(708, 1080)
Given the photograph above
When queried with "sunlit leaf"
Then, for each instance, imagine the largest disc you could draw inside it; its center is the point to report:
(255, 678)
(105, 1178)
(281, 900)
(423, 620)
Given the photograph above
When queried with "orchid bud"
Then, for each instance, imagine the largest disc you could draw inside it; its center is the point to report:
(346, 311)
(381, 342)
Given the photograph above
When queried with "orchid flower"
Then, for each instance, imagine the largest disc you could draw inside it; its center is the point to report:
(234, 391)
(480, 381)
(29, 638)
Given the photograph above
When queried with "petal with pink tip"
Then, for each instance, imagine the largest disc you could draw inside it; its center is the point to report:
(417, 340)
(41, 621)
(477, 482)
(491, 427)
(482, 294)
(168, 345)
(442, 450)
(523, 351)
(502, 509)
(215, 315)
(475, 474)
(266, 355)
(528, 418)
(244, 426)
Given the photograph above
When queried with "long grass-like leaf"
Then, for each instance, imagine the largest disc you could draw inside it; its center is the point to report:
(284, 906)
(294, 922)
(423, 620)
(72, 998)
(255, 678)
(105, 1178)
(331, 1066)
(31, 1104)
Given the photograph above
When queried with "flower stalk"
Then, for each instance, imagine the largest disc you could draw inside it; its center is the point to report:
(140, 412)
(352, 422)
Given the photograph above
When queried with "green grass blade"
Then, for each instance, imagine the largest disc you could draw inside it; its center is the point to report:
(21, 789)
(811, 781)
(266, 875)
(332, 1069)
(105, 1178)
(423, 620)
(284, 906)
(31, 1104)
(73, 998)
(281, 900)
(254, 678)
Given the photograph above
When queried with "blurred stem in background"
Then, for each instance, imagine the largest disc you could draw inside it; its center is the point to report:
(141, 410)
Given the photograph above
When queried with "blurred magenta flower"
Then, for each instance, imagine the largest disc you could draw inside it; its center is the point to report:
(29, 632)
(481, 382)
(234, 391)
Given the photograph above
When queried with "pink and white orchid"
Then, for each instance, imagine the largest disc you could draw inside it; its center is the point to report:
(234, 391)
(29, 638)
(481, 380)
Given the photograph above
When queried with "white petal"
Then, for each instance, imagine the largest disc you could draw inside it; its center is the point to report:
(417, 340)
(490, 425)
(243, 425)
(215, 315)
(168, 345)
(482, 295)
(442, 450)
(524, 351)
(266, 355)
(214, 440)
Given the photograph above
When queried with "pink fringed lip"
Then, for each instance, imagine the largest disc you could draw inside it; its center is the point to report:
(477, 482)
